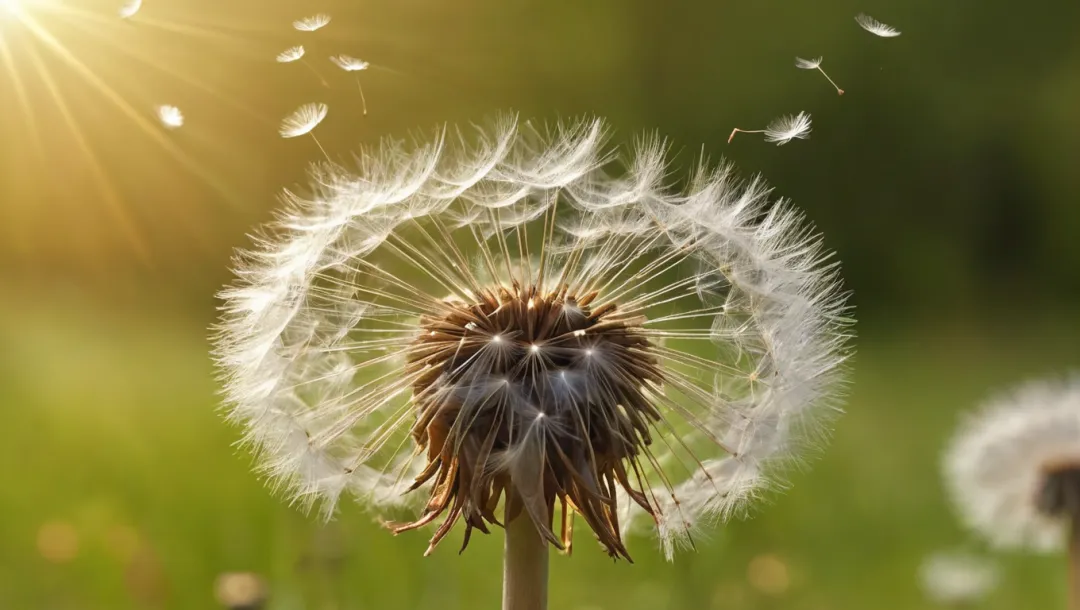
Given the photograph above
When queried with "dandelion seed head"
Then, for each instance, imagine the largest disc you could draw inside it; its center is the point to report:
(349, 64)
(808, 64)
(170, 116)
(876, 27)
(301, 122)
(312, 23)
(129, 9)
(566, 367)
(291, 54)
(1013, 467)
(954, 578)
(788, 128)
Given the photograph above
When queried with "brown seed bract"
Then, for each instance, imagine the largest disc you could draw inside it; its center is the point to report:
(520, 375)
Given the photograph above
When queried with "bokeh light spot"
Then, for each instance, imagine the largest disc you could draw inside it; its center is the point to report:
(58, 541)
(768, 574)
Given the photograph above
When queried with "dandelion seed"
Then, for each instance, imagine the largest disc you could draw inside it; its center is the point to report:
(815, 64)
(1013, 468)
(170, 116)
(349, 64)
(957, 579)
(352, 64)
(129, 8)
(296, 53)
(312, 23)
(781, 130)
(291, 54)
(435, 402)
(303, 121)
(876, 27)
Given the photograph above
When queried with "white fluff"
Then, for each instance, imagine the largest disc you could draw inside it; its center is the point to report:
(303, 120)
(736, 289)
(994, 465)
(788, 128)
(876, 27)
(170, 116)
(312, 23)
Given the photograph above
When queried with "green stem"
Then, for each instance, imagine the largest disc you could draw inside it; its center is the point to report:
(525, 566)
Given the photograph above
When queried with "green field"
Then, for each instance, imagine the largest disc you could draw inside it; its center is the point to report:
(121, 489)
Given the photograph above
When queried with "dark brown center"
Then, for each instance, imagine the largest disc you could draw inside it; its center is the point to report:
(1059, 495)
(520, 376)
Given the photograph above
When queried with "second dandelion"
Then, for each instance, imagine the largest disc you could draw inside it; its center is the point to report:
(1013, 470)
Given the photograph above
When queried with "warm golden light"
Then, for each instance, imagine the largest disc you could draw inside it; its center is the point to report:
(76, 85)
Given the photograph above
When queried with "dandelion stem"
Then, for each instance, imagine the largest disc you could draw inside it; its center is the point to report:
(315, 72)
(525, 566)
(363, 100)
(319, 144)
(737, 130)
(1074, 560)
(839, 91)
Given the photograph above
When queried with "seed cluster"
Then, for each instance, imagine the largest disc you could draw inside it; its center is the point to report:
(521, 377)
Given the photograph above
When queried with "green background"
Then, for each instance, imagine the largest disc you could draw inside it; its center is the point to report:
(945, 178)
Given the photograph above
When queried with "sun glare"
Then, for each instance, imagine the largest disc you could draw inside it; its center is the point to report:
(58, 78)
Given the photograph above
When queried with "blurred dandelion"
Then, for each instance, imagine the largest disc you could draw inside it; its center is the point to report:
(957, 579)
(876, 27)
(506, 323)
(781, 130)
(129, 8)
(352, 64)
(815, 64)
(240, 591)
(303, 121)
(170, 116)
(294, 54)
(1013, 470)
(312, 23)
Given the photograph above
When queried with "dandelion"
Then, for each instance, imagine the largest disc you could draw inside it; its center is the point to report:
(876, 27)
(129, 8)
(815, 64)
(170, 116)
(457, 328)
(956, 579)
(312, 23)
(1013, 470)
(781, 130)
(352, 64)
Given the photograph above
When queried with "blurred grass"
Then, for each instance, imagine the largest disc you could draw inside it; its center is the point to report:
(121, 489)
